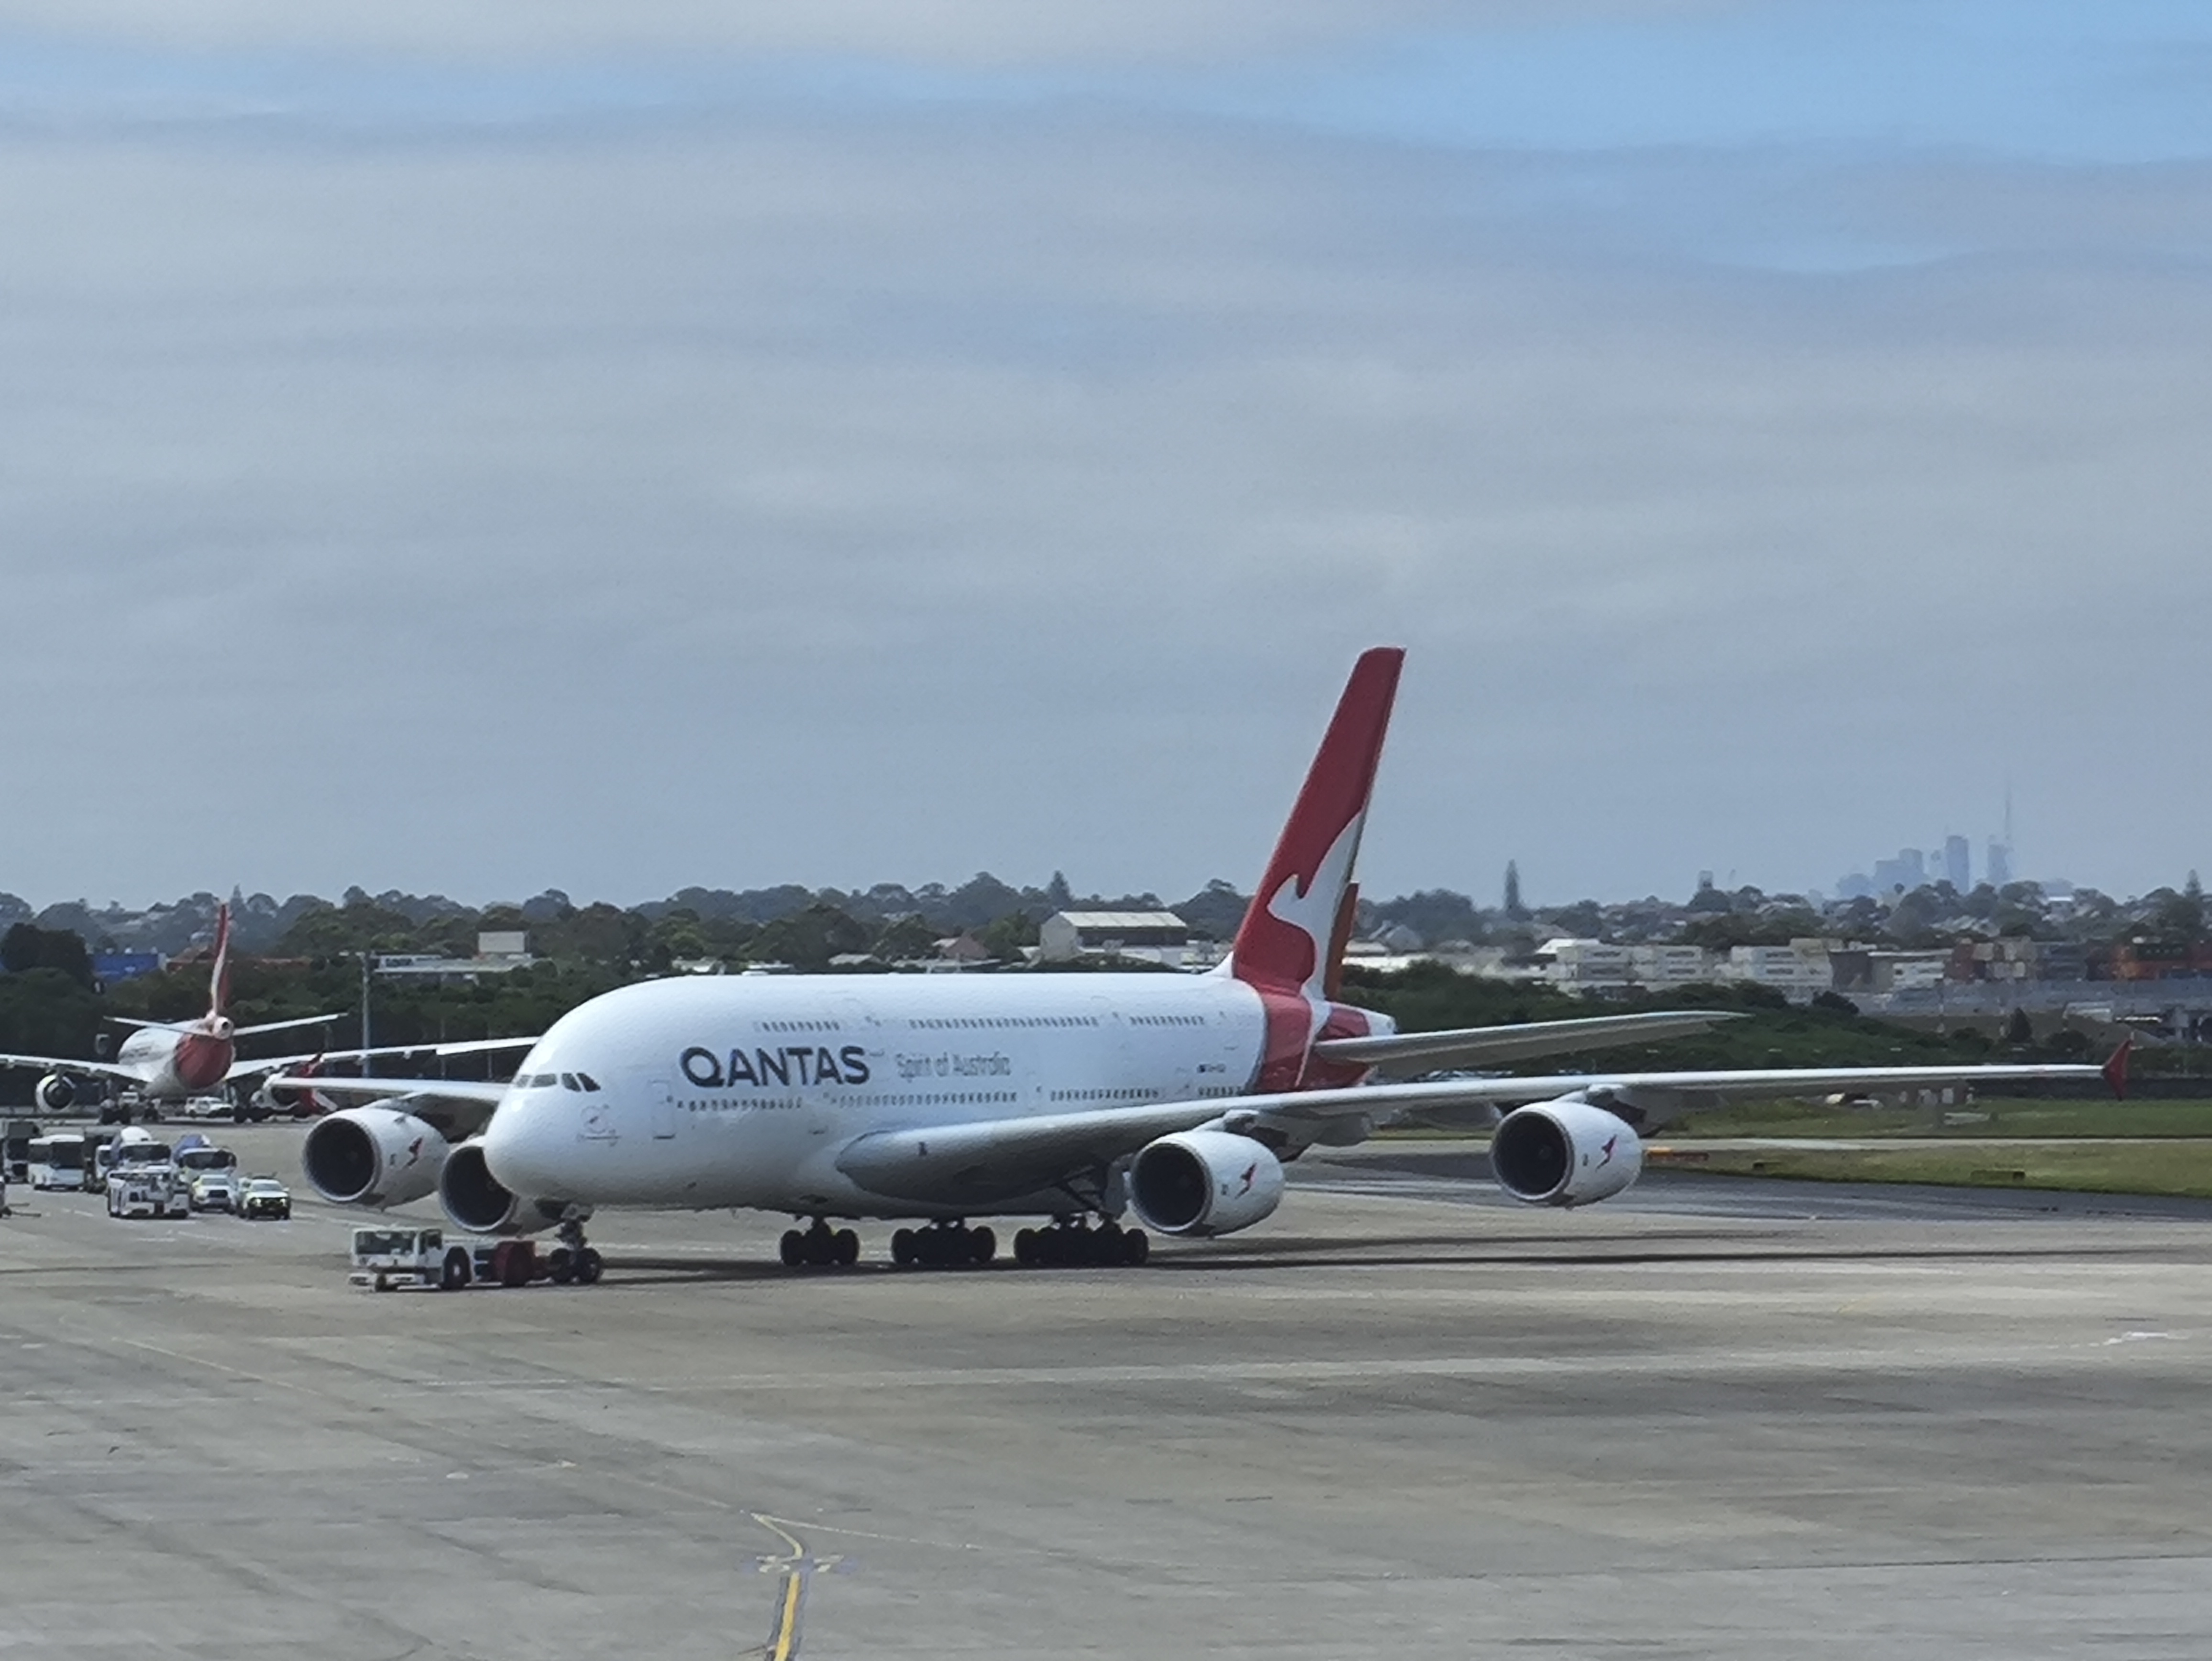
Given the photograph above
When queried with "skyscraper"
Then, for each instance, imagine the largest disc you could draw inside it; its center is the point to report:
(1958, 863)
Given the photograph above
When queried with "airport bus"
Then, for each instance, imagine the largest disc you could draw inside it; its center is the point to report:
(57, 1160)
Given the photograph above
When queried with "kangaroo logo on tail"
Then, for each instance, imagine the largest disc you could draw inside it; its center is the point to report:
(1286, 944)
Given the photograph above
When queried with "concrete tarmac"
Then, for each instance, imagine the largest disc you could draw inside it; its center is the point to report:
(1400, 1418)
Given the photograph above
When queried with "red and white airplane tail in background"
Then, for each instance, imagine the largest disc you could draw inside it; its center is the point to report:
(219, 975)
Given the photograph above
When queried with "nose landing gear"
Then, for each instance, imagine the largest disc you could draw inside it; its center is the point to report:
(572, 1262)
(944, 1244)
(819, 1247)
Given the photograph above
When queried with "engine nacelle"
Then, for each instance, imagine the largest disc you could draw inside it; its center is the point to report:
(299, 1101)
(374, 1156)
(1204, 1182)
(478, 1203)
(57, 1093)
(1565, 1152)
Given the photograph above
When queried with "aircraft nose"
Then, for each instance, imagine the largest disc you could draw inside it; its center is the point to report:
(529, 1143)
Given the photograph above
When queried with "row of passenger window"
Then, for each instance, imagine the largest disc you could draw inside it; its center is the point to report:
(547, 1081)
(977, 1022)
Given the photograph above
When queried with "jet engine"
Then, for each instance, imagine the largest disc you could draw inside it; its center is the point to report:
(376, 1156)
(479, 1203)
(299, 1101)
(1204, 1182)
(1565, 1152)
(57, 1093)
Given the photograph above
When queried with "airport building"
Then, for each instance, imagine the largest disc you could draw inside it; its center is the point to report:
(1160, 937)
(499, 951)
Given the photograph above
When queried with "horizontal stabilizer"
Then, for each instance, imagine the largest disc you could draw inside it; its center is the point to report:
(236, 1032)
(1474, 1046)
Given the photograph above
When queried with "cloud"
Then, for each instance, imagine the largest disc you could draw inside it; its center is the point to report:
(968, 33)
(795, 498)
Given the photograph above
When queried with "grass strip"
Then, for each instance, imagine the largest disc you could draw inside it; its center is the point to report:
(2182, 1169)
(1997, 1120)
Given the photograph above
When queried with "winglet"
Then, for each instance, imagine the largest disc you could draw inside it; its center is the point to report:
(1283, 941)
(2116, 1068)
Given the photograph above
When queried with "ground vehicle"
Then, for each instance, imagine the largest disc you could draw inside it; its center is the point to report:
(213, 1191)
(55, 1161)
(196, 1155)
(144, 1182)
(15, 1149)
(264, 1196)
(390, 1259)
(207, 1107)
(99, 1154)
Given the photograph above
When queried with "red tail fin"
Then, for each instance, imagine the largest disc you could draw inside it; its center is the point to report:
(1283, 941)
(2116, 1068)
(219, 981)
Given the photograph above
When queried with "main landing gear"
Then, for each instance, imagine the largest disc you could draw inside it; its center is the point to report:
(943, 1245)
(820, 1247)
(1069, 1243)
(572, 1261)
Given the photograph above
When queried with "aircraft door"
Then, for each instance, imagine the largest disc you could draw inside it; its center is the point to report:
(663, 1103)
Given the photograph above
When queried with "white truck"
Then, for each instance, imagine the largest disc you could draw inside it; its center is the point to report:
(420, 1260)
(143, 1181)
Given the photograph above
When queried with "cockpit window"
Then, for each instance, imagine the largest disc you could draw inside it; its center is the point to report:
(590, 1083)
(568, 1081)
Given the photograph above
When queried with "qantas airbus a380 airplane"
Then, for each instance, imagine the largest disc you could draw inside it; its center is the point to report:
(1062, 1098)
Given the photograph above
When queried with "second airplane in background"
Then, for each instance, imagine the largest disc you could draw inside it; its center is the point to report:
(1175, 1099)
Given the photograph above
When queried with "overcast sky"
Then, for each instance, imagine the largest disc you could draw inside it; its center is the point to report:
(613, 447)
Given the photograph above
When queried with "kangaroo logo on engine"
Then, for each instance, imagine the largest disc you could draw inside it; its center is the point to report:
(799, 1064)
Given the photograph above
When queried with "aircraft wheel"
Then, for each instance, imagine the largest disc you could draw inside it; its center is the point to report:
(845, 1249)
(1025, 1248)
(902, 1247)
(589, 1266)
(1135, 1248)
(791, 1249)
(983, 1245)
(560, 1266)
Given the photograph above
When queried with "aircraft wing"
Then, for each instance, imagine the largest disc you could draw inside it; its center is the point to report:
(1476, 1046)
(255, 1068)
(999, 1158)
(59, 1064)
(457, 1109)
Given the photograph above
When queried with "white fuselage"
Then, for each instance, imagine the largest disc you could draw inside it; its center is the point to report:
(741, 1091)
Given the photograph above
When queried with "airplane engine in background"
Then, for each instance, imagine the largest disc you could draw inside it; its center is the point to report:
(1565, 1152)
(57, 1093)
(478, 1203)
(1204, 1182)
(374, 1156)
(299, 1101)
